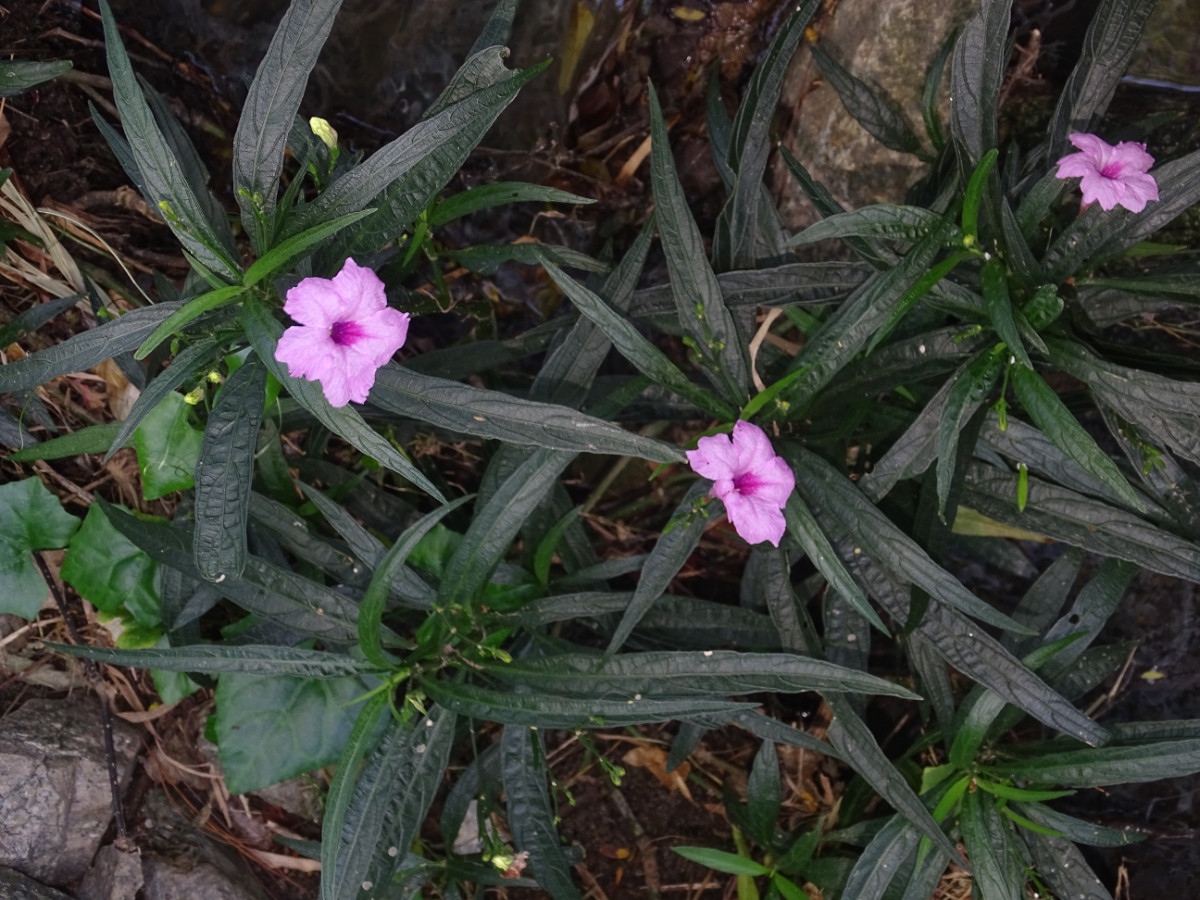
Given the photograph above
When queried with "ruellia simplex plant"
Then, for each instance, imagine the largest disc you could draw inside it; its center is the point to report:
(916, 406)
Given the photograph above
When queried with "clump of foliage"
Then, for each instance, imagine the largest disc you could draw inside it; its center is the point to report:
(924, 362)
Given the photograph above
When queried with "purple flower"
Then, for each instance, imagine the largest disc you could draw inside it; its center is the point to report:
(1112, 176)
(752, 482)
(346, 332)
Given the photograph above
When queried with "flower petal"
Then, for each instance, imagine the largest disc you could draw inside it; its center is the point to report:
(714, 457)
(753, 520)
(1105, 191)
(381, 335)
(1139, 190)
(314, 302)
(361, 291)
(1076, 165)
(1097, 148)
(307, 351)
(772, 482)
(753, 446)
(1133, 156)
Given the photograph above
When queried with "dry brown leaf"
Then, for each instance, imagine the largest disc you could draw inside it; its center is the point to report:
(654, 760)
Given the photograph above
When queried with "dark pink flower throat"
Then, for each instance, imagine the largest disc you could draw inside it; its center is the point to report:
(346, 334)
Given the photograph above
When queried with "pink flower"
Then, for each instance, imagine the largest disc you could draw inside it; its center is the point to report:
(1112, 176)
(346, 332)
(752, 482)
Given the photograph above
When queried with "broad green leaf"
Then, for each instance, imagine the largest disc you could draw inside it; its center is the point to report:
(110, 572)
(166, 183)
(93, 439)
(1112, 37)
(996, 868)
(188, 364)
(168, 448)
(531, 814)
(636, 348)
(874, 111)
(1051, 415)
(387, 570)
(670, 552)
(720, 861)
(338, 880)
(31, 519)
(275, 727)
(270, 110)
(264, 332)
(700, 307)
(881, 221)
(491, 414)
(81, 352)
(546, 711)
(19, 75)
(498, 193)
(686, 673)
(225, 472)
(216, 659)
(389, 802)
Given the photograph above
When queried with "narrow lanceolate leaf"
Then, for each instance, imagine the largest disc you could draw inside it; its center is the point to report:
(490, 414)
(1091, 524)
(1112, 36)
(434, 135)
(634, 346)
(214, 659)
(546, 711)
(698, 301)
(225, 471)
(497, 524)
(264, 332)
(287, 252)
(830, 493)
(968, 391)
(1051, 415)
(81, 352)
(19, 75)
(881, 860)
(192, 309)
(161, 171)
(93, 439)
(531, 813)
(1063, 868)
(990, 851)
(749, 145)
(388, 570)
(498, 193)
(270, 110)
(1097, 766)
(1000, 309)
(1078, 830)
(670, 552)
(337, 883)
(977, 70)
(870, 108)
(897, 223)
(687, 673)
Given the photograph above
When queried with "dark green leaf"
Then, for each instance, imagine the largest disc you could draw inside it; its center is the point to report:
(976, 73)
(270, 111)
(19, 75)
(498, 193)
(1077, 830)
(225, 472)
(901, 223)
(168, 448)
(531, 814)
(81, 352)
(110, 572)
(880, 861)
(1000, 310)
(486, 258)
(93, 439)
(1097, 766)
(996, 867)
(764, 795)
(36, 316)
(969, 390)
(720, 861)
(874, 111)
(287, 252)
(1063, 868)
(215, 659)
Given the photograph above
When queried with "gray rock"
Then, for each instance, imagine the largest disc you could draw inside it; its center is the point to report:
(55, 801)
(113, 876)
(888, 45)
(16, 886)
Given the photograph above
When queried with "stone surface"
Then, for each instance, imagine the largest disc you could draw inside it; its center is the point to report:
(16, 886)
(55, 801)
(890, 46)
(113, 876)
